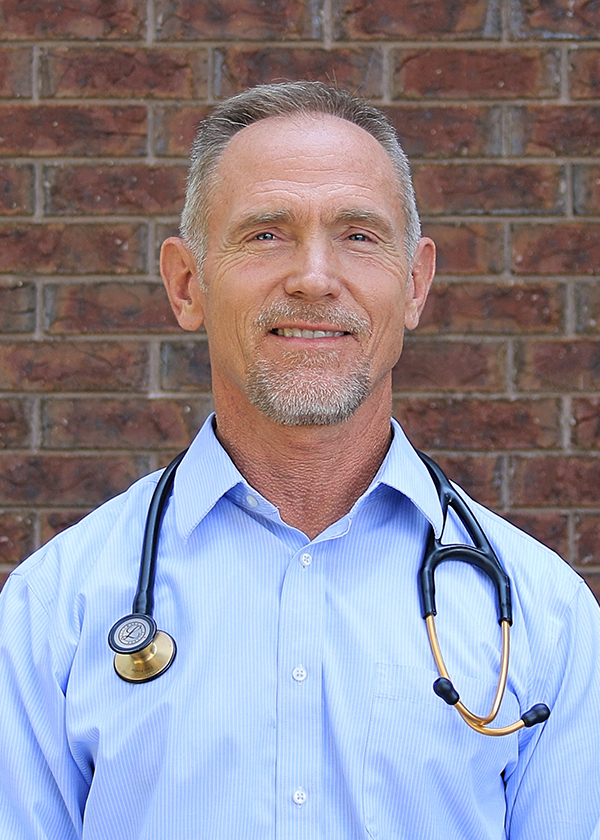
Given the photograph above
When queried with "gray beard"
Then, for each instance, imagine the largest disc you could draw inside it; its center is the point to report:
(303, 388)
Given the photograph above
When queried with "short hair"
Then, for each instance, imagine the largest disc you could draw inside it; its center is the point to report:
(279, 100)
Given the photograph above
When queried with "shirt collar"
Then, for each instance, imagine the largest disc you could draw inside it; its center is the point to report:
(207, 473)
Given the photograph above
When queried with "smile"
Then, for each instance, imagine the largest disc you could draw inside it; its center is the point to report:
(294, 332)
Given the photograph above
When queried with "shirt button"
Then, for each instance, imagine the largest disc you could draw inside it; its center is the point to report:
(252, 501)
(299, 796)
(299, 673)
(305, 559)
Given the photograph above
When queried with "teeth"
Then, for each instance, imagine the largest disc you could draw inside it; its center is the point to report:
(294, 332)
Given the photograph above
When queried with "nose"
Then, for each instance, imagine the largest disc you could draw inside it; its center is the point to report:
(315, 274)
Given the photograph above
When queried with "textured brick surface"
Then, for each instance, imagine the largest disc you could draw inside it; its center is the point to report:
(586, 189)
(557, 365)
(563, 481)
(550, 528)
(84, 19)
(175, 127)
(432, 365)
(17, 307)
(16, 77)
(556, 249)
(585, 73)
(15, 425)
(185, 366)
(586, 422)
(453, 130)
(479, 74)
(16, 190)
(16, 537)
(467, 248)
(587, 297)
(555, 19)
(405, 19)
(555, 130)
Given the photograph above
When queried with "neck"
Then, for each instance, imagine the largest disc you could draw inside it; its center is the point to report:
(313, 474)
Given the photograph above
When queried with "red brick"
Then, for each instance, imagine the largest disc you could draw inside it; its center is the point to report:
(16, 537)
(480, 475)
(16, 72)
(122, 190)
(238, 68)
(489, 188)
(84, 19)
(16, 190)
(566, 248)
(72, 248)
(471, 424)
(151, 73)
(56, 480)
(555, 19)
(592, 578)
(587, 540)
(555, 130)
(557, 365)
(391, 19)
(447, 131)
(587, 298)
(249, 20)
(586, 189)
(15, 427)
(437, 365)
(586, 422)
(108, 308)
(175, 127)
(467, 248)
(48, 130)
(103, 423)
(17, 307)
(73, 366)
(584, 74)
(551, 529)
(493, 308)
(480, 74)
(561, 481)
(53, 522)
(185, 366)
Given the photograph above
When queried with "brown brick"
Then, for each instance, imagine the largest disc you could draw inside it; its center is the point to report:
(462, 424)
(592, 578)
(437, 365)
(554, 19)
(467, 248)
(586, 189)
(435, 19)
(448, 131)
(16, 537)
(250, 20)
(121, 423)
(175, 127)
(48, 130)
(15, 426)
(84, 19)
(551, 529)
(103, 190)
(556, 481)
(587, 298)
(56, 480)
(107, 308)
(16, 190)
(557, 365)
(53, 522)
(72, 249)
(16, 72)
(148, 73)
(587, 539)
(586, 423)
(489, 188)
(475, 74)
(480, 476)
(237, 68)
(555, 130)
(73, 366)
(493, 308)
(17, 307)
(565, 248)
(185, 366)
(584, 74)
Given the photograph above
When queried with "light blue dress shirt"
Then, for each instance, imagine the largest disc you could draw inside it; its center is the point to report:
(300, 703)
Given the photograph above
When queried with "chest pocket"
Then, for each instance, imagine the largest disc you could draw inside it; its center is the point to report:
(426, 773)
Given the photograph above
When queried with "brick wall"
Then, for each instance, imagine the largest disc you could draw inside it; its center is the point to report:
(498, 104)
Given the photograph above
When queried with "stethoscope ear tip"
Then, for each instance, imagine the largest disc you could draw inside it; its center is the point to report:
(537, 714)
(444, 689)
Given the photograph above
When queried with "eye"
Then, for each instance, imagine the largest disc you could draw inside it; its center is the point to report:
(359, 237)
(265, 237)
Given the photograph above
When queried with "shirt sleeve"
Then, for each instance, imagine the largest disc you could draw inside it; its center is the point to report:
(554, 790)
(42, 794)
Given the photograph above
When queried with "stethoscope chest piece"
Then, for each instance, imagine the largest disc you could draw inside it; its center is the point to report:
(142, 652)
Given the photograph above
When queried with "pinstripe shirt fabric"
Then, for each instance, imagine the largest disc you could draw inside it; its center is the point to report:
(300, 703)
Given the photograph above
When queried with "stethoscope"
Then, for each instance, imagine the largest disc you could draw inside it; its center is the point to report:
(142, 652)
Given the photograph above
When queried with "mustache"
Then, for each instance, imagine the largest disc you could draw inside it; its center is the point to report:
(337, 317)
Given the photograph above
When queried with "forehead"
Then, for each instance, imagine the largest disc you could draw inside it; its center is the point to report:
(307, 156)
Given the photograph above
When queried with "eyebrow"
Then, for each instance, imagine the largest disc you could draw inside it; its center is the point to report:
(261, 218)
(356, 216)
(348, 216)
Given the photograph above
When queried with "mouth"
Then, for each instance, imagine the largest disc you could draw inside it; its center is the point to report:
(296, 332)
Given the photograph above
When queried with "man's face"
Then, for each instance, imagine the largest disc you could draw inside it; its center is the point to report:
(307, 285)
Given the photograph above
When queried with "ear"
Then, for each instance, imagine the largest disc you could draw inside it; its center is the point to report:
(179, 271)
(419, 282)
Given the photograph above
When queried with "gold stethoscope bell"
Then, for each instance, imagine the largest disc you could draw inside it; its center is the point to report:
(148, 663)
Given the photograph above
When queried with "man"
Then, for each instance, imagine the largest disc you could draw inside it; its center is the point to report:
(300, 702)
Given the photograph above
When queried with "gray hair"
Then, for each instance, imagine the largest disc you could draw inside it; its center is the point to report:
(278, 100)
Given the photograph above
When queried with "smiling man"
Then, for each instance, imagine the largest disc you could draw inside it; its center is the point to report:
(299, 703)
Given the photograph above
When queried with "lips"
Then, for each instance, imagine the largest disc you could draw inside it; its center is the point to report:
(295, 332)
